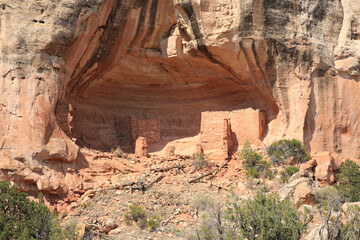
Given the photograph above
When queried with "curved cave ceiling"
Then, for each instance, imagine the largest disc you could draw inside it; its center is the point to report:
(134, 79)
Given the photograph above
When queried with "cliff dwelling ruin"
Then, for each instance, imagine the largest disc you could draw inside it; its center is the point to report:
(159, 81)
(80, 78)
(217, 133)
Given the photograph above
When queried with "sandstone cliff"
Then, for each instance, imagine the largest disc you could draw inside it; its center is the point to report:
(77, 73)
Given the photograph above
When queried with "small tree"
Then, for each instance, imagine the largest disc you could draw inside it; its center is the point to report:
(351, 230)
(282, 150)
(329, 202)
(266, 217)
(138, 215)
(349, 181)
(337, 223)
(253, 163)
(21, 218)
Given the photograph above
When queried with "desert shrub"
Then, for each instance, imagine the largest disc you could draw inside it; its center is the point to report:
(291, 170)
(288, 172)
(202, 202)
(269, 174)
(264, 217)
(261, 169)
(284, 176)
(254, 165)
(282, 150)
(138, 215)
(349, 181)
(135, 213)
(21, 218)
(118, 152)
(213, 226)
(351, 230)
(252, 172)
(153, 223)
(251, 157)
(212, 221)
(337, 225)
(89, 234)
(329, 204)
(328, 199)
(199, 160)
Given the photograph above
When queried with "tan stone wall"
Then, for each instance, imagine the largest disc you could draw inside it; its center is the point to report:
(212, 129)
(224, 131)
(147, 128)
(247, 125)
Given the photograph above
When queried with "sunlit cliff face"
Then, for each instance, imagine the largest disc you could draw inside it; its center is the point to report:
(77, 73)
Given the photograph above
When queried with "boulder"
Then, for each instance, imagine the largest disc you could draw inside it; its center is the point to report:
(109, 225)
(300, 188)
(337, 160)
(324, 174)
(324, 171)
(322, 158)
(346, 206)
(317, 233)
(309, 165)
(170, 151)
(300, 174)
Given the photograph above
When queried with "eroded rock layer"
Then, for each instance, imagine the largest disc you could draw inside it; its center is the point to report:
(94, 73)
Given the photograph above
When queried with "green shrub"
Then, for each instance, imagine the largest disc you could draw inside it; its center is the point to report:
(21, 218)
(269, 174)
(264, 217)
(135, 213)
(254, 165)
(153, 223)
(138, 215)
(252, 172)
(328, 199)
(251, 157)
(282, 150)
(284, 176)
(199, 160)
(338, 226)
(202, 202)
(349, 181)
(289, 171)
(351, 230)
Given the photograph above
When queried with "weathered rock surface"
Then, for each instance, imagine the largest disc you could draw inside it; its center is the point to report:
(300, 188)
(324, 171)
(76, 73)
(318, 233)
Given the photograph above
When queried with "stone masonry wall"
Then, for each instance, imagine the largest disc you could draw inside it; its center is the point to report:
(247, 125)
(243, 125)
(147, 128)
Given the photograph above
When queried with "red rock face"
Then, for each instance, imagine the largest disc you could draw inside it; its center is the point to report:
(102, 73)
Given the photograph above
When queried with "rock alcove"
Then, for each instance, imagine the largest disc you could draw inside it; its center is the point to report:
(157, 77)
